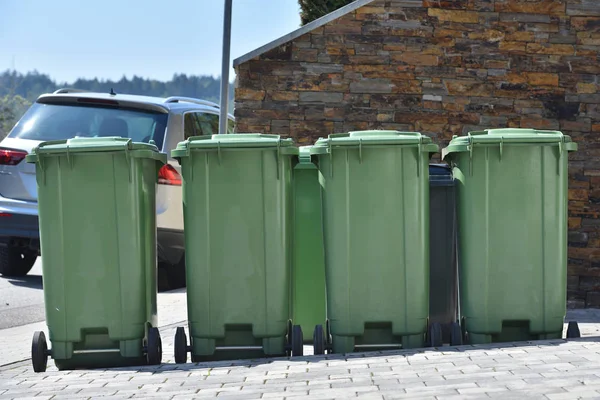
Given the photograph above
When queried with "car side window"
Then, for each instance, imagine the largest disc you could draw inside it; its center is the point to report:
(189, 125)
(208, 123)
(202, 124)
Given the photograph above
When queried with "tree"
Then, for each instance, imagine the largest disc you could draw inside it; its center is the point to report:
(11, 109)
(314, 9)
(29, 86)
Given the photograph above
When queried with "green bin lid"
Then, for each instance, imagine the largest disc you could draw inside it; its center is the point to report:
(234, 141)
(96, 144)
(374, 137)
(508, 135)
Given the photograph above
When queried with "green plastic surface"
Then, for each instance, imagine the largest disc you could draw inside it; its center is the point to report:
(374, 138)
(520, 136)
(376, 224)
(97, 214)
(309, 306)
(512, 224)
(237, 141)
(237, 194)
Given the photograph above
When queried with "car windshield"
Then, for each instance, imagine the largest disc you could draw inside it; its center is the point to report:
(61, 121)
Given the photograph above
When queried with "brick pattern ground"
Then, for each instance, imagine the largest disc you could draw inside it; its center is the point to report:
(445, 68)
(537, 370)
(15, 343)
(557, 369)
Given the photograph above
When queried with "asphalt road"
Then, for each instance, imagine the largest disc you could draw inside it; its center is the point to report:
(22, 299)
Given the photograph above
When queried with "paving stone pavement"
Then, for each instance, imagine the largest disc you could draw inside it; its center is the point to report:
(556, 369)
(15, 343)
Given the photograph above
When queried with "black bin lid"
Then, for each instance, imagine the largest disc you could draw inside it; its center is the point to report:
(440, 175)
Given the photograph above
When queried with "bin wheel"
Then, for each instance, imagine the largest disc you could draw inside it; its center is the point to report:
(319, 340)
(297, 341)
(435, 335)
(180, 346)
(288, 338)
(39, 352)
(573, 330)
(456, 335)
(154, 347)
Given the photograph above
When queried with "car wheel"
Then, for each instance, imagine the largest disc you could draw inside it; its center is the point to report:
(15, 261)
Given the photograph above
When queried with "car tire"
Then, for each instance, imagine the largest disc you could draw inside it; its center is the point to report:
(15, 261)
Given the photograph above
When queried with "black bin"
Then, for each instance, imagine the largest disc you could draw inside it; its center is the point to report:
(443, 276)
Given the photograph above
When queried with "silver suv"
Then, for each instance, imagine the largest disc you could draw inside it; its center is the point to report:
(69, 113)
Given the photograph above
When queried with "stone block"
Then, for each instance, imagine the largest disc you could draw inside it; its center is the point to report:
(448, 15)
(586, 24)
(249, 94)
(583, 8)
(371, 86)
(559, 49)
(320, 97)
(549, 7)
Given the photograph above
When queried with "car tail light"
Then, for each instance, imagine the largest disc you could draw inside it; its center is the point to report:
(3, 214)
(11, 157)
(168, 175)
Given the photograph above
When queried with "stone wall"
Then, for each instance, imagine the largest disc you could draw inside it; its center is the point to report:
(444, 68)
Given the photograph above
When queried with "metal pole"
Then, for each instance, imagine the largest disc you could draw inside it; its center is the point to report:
(225, 68)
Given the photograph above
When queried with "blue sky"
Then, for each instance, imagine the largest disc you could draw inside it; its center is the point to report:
(107, 39)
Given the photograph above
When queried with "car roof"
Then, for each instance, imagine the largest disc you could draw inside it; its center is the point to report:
(177, 104)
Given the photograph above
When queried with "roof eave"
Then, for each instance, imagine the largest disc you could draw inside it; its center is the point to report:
(340, 12)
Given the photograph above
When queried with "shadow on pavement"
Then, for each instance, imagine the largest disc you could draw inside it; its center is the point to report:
(470, 350)
(29, 281)
(252, 363)
(583, 315)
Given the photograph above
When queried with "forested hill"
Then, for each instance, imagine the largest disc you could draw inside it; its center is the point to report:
(32, 84)
(18, 91)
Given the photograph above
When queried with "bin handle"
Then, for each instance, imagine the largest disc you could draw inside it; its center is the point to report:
(360, 150)
(50, 143)
(470, 148)
(219, 151)
(560, 154)
(69, 159)
(40, 161)
(278, 157)
(188, 153)
(330, 150)
(420, 156)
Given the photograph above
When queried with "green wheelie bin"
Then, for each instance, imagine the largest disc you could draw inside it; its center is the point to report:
(238, 222)
(512, 232)
(308, 293)
(97, 216)
(376, 229)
